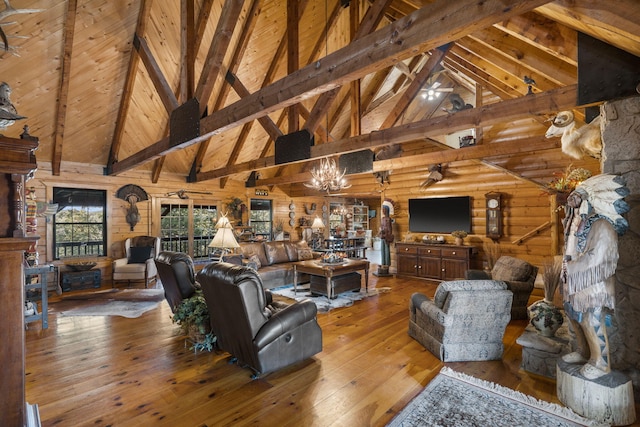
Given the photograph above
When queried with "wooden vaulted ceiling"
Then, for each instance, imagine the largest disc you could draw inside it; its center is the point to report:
(98, 79)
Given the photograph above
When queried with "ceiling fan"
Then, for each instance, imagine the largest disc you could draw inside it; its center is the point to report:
(434, 90)
(183, 193)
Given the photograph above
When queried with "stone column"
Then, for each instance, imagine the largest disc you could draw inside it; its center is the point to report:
(621, 156)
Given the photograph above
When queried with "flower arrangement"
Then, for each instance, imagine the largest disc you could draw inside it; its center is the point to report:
(460, 234)
(568, 180)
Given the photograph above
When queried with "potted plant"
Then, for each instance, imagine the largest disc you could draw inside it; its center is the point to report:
(459, 236)
(544, 315)
(193, 317)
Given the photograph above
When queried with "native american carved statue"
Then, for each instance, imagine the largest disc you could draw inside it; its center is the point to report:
(592, 225)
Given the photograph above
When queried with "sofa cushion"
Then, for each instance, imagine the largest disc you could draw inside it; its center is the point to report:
(276, 252)
(256, 260)
(305, 254)
(293, 248)
(511, 269)
(255, 248)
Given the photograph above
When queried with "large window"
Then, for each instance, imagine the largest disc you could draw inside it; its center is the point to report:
(187, 227)
(260, 218)
(79, 227)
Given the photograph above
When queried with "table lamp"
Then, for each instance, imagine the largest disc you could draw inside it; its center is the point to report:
(224, 239)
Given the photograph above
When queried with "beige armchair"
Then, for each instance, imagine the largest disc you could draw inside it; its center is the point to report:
(139, 263)
(465, 320)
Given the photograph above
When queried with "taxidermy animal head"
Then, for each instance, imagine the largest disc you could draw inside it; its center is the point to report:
(576, 141)
(435, 175)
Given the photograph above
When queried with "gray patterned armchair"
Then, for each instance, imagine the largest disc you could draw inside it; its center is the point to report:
(465, 320)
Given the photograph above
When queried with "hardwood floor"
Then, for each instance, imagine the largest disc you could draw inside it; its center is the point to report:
(114, 371)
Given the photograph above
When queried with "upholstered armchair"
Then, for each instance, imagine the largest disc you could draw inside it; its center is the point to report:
(138, 264)
(465, 320)
(520, 277)
(177, 274)
(260, 335)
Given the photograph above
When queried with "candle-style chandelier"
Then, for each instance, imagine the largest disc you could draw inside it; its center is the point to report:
(327, 177)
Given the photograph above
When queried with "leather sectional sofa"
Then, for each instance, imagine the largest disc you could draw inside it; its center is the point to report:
(275, 260)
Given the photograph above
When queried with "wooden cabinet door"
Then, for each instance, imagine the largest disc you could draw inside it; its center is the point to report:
(453, 269)
(429, 267)
(407, 264)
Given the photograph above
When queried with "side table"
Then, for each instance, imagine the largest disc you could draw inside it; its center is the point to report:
(540, 354)
(36, 283)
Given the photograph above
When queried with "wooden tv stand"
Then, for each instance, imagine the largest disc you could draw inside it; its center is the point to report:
(433, 261)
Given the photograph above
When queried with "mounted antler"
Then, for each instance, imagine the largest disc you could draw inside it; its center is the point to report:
(8, 11)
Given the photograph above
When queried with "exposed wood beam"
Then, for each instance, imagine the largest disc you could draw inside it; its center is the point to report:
(370, 21)
(448, 155)
(161, 85)
(219, 45)
(425, 29)
(201, 26)
(354, 92)
(187, 54)
(63, 89)
(525, 106)
(293, 57)
(127, 90)
(247, 30)
(502, 44)
(415, 86)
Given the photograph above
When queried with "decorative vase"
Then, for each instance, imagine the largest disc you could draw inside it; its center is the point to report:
(545, 317)
(459, 241)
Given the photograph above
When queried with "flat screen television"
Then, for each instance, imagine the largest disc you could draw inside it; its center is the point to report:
(440, 214)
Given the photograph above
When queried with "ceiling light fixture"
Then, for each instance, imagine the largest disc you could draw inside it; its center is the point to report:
(327, 177)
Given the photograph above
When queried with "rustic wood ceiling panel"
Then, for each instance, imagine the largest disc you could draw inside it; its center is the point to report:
(540, 44)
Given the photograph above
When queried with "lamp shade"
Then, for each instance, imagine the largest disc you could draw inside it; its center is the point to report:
(317, 223)
(224, 239)
(223, 222)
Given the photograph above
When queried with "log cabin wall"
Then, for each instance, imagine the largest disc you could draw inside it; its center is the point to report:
(91, 177)
(526, 203)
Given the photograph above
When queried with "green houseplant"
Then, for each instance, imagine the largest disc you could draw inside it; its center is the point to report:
(193, 317)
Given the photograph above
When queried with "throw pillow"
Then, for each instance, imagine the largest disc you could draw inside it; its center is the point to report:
(511, 269)
(305, 254)
(255, 259)
(139, 254)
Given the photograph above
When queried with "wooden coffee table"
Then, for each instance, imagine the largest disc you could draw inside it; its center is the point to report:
(318, 268)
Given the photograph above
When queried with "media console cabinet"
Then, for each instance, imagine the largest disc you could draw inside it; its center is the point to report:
(433, 261)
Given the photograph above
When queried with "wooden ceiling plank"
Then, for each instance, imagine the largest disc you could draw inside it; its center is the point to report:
(481, 76)
(370, 21)
(539, 61)
(425, 29)
(161, 84)
(237, 148)
(532, 28)
(217, 51)
(63, 89)
(415, 86)
(505, 111)
(125, 99)
(618, 26)
(234, 64)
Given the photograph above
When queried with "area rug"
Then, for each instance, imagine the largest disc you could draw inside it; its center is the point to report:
(456, 399)
(323, 303)
(130, 303)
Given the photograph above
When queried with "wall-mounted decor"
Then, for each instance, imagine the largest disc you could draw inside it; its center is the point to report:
(9, 11)
(133, 194)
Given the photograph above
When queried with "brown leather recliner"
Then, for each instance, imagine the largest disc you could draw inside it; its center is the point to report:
(247, 325)
(177, 276)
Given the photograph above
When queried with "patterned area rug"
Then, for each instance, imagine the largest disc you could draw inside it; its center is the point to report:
(129, 303)
(323, 303)
(457, 399)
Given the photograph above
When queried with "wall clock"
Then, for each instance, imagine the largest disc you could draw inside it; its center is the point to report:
(494, 215)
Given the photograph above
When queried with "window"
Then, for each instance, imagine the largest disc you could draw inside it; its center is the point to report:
(260, 218)
(187, 227)
(79, 227)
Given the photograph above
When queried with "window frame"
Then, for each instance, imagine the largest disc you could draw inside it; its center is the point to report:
(52, 253)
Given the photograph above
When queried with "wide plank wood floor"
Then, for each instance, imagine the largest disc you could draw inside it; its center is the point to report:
(114, 371)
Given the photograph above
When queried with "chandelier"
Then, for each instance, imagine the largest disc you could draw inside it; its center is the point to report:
(340, 210)
(327, 177)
